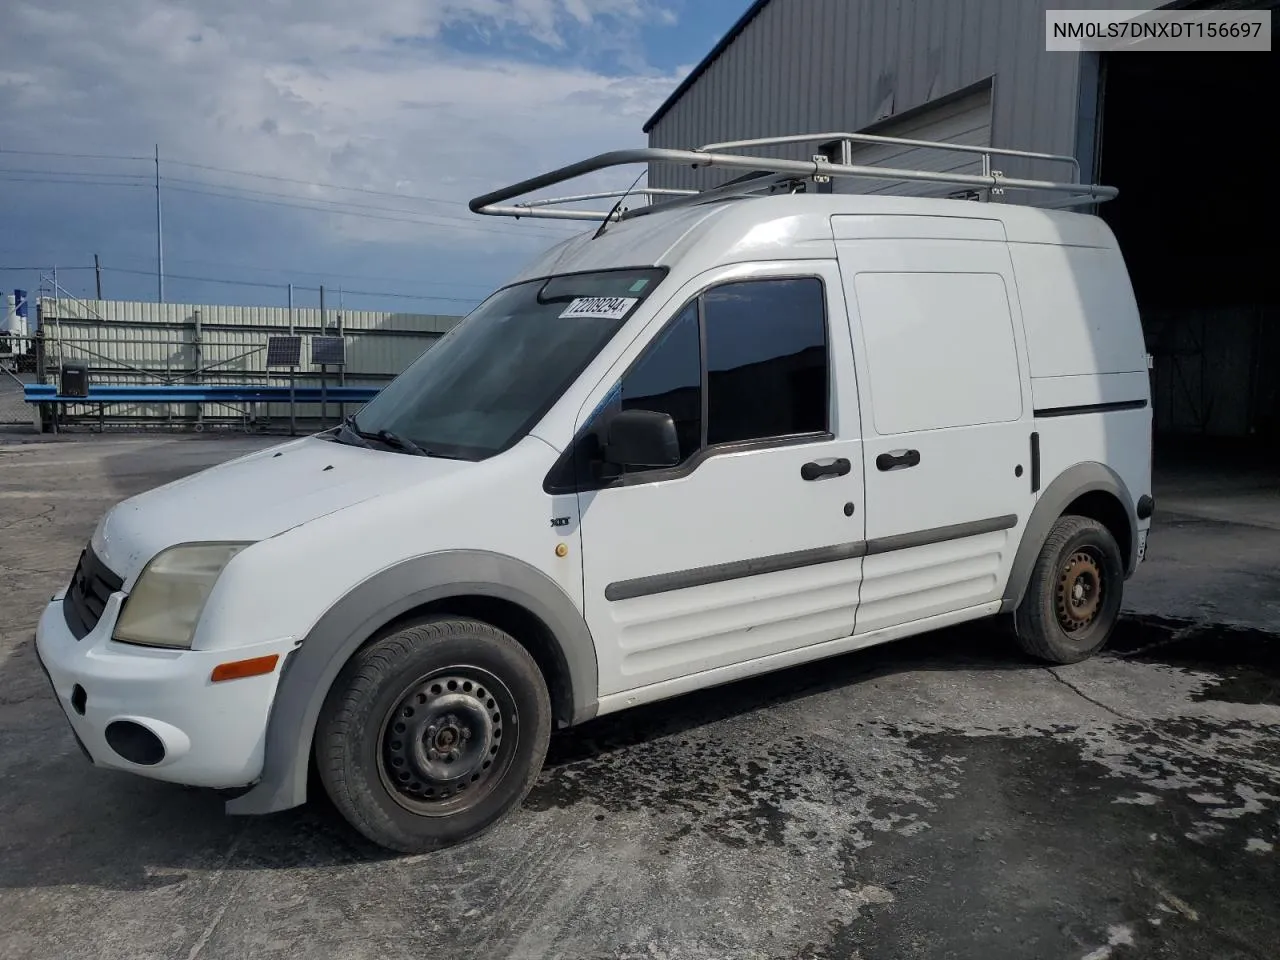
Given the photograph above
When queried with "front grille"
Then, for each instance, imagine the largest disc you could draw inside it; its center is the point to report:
(87, 596)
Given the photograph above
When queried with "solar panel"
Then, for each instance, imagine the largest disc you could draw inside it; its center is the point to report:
(328, 350)
(284, 351)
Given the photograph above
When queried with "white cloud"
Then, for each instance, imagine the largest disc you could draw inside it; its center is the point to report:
(368, 95)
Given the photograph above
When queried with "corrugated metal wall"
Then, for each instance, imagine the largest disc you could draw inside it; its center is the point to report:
(153, 343)
(807, 66)
(963, 120)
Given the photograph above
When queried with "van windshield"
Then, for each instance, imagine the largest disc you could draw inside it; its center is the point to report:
(486, 383)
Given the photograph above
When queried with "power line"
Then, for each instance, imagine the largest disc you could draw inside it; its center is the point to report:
(76, 173)
(329, 206)
(285, 286)
(233, 192)
(257, 283)
(223, 280)
(338, 203)
(70, 156)
(46, 267)
(366, 216)
(347, 291)
(234, 172)
(69, 182)
(291, 272)
(60, 177)
(282, 271)
(315, 183)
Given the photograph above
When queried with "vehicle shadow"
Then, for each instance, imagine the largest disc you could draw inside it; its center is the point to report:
(65, 822)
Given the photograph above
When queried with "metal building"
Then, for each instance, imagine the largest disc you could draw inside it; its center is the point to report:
(1163, 127)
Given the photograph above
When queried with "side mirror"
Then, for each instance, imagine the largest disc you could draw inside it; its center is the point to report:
(642, 438)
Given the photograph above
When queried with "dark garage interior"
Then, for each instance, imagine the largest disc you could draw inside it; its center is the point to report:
(1185, 138)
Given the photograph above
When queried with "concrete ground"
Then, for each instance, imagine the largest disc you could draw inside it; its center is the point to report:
(937, 797)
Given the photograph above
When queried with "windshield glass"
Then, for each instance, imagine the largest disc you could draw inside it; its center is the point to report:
(488, 381)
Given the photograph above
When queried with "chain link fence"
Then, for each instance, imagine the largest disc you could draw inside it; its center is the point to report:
(17, 368)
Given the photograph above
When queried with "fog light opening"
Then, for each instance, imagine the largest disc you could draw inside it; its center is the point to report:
(135, 742)
(78, 699)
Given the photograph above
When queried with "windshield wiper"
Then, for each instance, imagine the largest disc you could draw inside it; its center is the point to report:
(400, 443)
(385, 437)
(348, 429)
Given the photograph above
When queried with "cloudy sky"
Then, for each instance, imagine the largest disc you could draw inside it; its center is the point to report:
(313, 141)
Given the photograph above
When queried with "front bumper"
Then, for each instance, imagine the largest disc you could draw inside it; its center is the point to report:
(212, 734)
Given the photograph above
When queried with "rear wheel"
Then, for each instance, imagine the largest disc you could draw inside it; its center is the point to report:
(1073, 600)
(433, 734)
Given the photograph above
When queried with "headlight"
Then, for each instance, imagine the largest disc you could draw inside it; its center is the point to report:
(166, 602)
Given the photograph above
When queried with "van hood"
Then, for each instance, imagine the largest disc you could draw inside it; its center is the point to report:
(256, 497)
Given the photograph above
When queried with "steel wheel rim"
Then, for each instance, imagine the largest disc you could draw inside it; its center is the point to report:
(448, 740)
(1081, 585)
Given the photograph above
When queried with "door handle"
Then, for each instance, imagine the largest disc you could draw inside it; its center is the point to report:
(816, 471)
(897, 459)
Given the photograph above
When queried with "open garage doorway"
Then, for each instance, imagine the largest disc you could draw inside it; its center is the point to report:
(1189, 140)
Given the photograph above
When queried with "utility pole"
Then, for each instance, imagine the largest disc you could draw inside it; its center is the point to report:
(97, 276)
(159, 236)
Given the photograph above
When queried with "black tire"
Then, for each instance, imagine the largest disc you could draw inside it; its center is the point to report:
(433, 734)
(1073, 599)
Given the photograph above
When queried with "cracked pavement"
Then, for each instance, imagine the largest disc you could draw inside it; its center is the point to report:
(936, 797)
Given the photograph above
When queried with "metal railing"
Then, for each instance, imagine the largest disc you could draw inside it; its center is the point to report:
(776, 170)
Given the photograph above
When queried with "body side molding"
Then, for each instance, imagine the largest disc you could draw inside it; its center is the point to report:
(1079, 409)
(757, 566)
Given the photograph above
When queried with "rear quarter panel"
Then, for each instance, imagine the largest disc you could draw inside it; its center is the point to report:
(1090, 387)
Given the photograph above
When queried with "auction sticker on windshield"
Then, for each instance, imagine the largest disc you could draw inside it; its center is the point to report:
(602, 308)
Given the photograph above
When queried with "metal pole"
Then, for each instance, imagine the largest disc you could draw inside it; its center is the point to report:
(199, 357)
(342, 370)
(324, 370)
(45, 409)
(97, 276)
(293, 377)
(159, 236)
(57, 313)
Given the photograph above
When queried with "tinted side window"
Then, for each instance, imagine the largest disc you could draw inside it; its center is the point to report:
(668, 378)
(767, 371)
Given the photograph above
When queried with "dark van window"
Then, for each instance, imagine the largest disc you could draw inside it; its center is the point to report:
(668, 379)
(766, 343)
(758, 347)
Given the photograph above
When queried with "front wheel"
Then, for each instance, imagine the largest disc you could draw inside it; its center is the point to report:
(434, 733)
(1073, 600)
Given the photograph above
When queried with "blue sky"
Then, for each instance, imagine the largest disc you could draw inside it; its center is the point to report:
(314, 141)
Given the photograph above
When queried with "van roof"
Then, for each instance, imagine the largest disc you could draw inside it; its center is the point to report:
(790, 226)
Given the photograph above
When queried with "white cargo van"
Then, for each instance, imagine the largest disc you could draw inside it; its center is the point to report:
(720, 434)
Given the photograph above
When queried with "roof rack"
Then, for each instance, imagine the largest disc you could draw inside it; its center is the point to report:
(834, 161)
